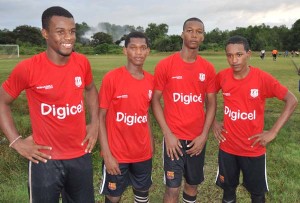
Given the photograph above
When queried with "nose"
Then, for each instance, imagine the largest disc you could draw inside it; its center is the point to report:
(69, 35)
(234, 58)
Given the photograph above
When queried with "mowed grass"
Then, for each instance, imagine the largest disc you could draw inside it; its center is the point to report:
(282, 154)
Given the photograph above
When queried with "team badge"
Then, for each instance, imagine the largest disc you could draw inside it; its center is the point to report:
(78, 81)
(112, 186)
(221, 178)
(254, 93)
(170, 175)
(201, 77)
(150, 94)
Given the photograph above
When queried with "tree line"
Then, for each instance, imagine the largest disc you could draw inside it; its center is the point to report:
(92, 41)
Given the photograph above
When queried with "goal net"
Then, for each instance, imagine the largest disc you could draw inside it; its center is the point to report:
(9, 51)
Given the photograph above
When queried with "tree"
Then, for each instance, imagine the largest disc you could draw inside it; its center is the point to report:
(101, 38)
(28, 34)
(295, 36)
(140, 29)
(155, 32)
(81, 30)
(7, 37)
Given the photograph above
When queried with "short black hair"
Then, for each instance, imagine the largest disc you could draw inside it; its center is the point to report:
(54, 11)
(192, 19)
(238, 40)
(136, 34)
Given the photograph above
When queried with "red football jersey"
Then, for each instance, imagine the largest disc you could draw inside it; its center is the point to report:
(55, 100)
(244, 106)
(184, 87)
(127, 101)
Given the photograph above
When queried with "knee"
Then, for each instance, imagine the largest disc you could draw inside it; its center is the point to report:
(172, 192)
(190, 189)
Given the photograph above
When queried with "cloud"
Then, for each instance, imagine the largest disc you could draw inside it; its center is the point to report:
(225, 15)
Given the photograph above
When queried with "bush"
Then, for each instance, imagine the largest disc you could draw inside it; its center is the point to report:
(107, 49)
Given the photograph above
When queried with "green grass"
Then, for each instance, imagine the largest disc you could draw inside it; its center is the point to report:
(282, 154)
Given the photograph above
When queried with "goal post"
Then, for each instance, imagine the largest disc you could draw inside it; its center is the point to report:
(9, 51)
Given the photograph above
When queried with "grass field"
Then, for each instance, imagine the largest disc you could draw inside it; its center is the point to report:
(283, 153)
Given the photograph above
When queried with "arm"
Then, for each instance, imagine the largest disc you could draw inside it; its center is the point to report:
(111, 164)
(198, 143)
(172, 143)
(218, 128)
(25, 147)
(92, 106)
(267, 136)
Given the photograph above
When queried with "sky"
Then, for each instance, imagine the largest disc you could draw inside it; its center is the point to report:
(225, 14)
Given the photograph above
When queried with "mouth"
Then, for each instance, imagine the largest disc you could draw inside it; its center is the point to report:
(235, 66)
(139, 59)
(67, 45)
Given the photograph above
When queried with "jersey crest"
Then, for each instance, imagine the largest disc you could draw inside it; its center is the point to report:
(254, 93)
(78, 81)
(201, 77)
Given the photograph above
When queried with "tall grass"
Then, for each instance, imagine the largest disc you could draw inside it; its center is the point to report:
(282, 154)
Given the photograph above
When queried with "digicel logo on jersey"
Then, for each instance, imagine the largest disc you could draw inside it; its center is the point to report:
(186, 99)
(130, 119)
(236, 115)
(62, 111)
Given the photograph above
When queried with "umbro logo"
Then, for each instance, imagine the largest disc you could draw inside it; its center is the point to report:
(178, 77)
(124, 96)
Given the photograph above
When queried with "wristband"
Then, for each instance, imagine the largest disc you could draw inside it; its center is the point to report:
(14, 141)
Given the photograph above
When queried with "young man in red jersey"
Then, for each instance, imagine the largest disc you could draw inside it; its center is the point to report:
(185, 81)
(60, 145)
(125, 135)
(242, 137)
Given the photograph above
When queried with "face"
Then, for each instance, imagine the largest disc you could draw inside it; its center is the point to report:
(61, 35)
(237, 58)
(193, 34)
(136, 51)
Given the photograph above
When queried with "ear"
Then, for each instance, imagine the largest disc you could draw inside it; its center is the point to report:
(249, 53)
(45, 34)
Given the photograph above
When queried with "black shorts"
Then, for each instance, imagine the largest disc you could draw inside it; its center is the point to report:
(253, 169)
(191, 168)
(73, 178)
(136, 174)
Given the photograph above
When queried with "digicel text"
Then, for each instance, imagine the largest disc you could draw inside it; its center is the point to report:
(186, 99)
(235, 115)
(129, 119)
(62, 111)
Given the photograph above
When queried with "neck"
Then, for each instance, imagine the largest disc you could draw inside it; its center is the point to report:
(135, 71)
(189, 55)
(243, 74)
(57, 58)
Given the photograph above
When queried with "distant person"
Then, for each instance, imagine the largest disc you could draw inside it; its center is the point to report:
(60, 146)
(262, 54)
(286, 53)
(125, 135)
(185, 81)
(274, 54)
(241, 136)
